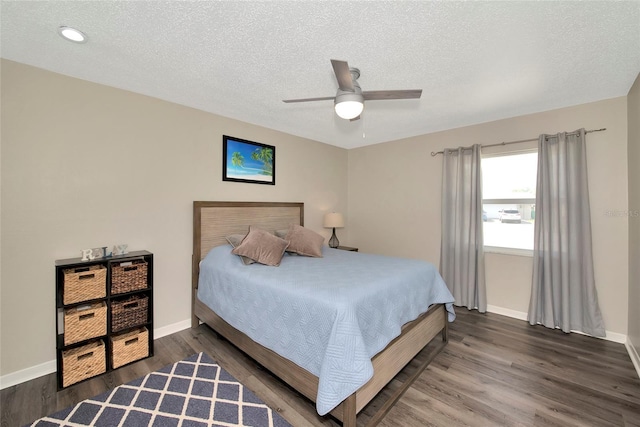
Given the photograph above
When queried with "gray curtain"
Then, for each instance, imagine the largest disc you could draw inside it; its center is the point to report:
(461, 249)
(563, 292)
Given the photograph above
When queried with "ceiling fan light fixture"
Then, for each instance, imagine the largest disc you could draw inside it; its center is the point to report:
(349, 101)
(349, 105)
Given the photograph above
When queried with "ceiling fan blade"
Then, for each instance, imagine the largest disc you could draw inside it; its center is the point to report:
(326, 98)
(374, 95)
(343, 75)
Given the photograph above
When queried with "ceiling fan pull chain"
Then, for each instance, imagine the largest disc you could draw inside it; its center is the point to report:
(362, 127)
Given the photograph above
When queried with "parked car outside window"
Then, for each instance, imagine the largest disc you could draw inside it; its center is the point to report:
(510, 215)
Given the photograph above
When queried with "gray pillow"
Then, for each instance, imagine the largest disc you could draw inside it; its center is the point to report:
(262, 246)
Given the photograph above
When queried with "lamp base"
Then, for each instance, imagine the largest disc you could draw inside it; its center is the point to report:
(333, 241)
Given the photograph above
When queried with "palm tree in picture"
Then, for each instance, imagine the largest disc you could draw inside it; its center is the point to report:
(237, 159)
(264, 155)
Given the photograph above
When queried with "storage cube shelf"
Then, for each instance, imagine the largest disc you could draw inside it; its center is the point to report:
(104, 314)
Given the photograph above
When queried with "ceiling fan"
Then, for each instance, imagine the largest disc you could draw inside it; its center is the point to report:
(349, 100)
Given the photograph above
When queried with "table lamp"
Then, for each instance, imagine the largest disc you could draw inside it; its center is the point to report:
(333, 220)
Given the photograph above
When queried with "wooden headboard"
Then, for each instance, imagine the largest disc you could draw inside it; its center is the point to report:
(214, 221)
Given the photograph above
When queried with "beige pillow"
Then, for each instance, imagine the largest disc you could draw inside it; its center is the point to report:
(235, 240)
(262, 246)
(304, 241)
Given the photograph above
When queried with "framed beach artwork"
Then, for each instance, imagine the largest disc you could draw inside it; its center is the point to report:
(248, 161)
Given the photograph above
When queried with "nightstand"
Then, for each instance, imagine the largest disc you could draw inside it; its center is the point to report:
(347, 248)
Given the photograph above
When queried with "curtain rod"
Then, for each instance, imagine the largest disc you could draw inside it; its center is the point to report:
(435, 153)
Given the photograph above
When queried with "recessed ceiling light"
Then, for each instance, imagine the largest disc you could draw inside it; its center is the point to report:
(72, 34)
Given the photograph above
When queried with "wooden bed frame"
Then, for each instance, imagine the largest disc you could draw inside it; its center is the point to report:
(213, 221)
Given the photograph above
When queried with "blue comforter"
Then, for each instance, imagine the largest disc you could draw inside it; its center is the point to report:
(328, 315)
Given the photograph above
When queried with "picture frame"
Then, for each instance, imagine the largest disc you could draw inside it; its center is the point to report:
(248, 161)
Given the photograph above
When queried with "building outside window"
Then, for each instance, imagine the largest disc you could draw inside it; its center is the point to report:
(509, 197)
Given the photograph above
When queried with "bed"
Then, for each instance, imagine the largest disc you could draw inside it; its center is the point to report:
(213, 222)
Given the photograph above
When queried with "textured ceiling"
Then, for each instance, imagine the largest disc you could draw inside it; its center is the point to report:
(474, 61)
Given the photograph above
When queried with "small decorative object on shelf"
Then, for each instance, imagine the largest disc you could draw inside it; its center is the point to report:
(105, 313)
(87, 255)
(103, 252)
(119, 250)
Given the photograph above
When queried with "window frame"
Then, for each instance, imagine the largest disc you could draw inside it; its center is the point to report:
(524, 201)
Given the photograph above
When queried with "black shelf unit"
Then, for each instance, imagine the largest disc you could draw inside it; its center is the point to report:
(107, 262)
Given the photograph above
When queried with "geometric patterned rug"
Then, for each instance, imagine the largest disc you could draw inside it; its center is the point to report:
(194, 392)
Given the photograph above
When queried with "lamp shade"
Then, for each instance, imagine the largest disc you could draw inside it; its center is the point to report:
(333, 220)
(349, 105)
(349, 109)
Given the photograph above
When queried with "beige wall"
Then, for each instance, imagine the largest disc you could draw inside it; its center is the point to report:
(633, 111)
(394, 200)
(85, 165)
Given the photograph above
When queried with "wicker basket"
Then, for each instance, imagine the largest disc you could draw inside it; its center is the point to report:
(83, 362)
(129, 346)
(129, 312)
(84, 283)
(128, 276)
(84, 322)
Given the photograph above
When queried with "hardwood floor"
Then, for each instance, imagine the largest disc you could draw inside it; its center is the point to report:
(495, 371)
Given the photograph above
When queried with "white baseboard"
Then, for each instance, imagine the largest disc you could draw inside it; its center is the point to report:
(27, 374)
(616, 337)
(633, 354)
(507, 312)
(611, 336)
(46, 368)
(171, 329)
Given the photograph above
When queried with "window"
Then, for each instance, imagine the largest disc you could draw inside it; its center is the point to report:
(509, 197)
